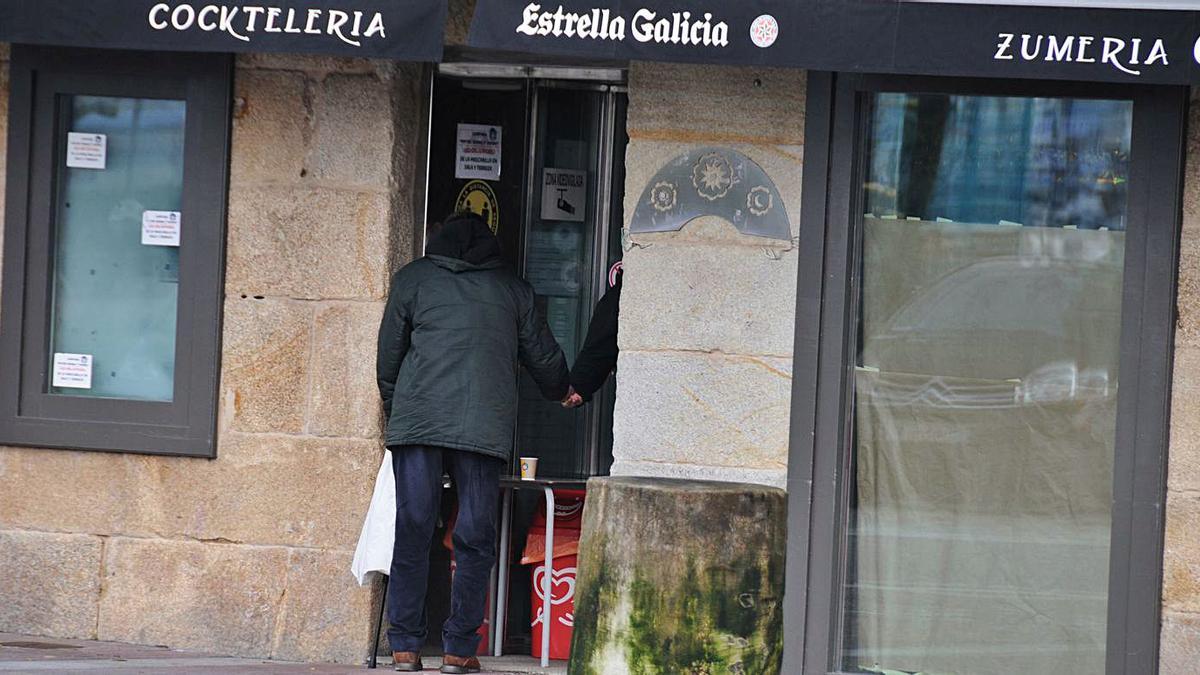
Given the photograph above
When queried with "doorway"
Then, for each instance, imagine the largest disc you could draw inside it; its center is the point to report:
(551, 201)
(539, 155)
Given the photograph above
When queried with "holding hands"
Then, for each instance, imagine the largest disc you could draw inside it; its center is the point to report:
(572, 399)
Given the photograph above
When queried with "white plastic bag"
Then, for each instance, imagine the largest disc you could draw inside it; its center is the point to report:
(374, 551)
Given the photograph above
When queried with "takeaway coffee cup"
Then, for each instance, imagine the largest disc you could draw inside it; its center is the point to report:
(529, 468)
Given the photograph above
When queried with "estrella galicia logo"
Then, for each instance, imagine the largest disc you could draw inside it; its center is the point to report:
(764, 31)
(645, 25)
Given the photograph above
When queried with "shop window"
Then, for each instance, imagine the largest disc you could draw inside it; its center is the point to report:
(114, 240)
(986, 384)
(990, 425)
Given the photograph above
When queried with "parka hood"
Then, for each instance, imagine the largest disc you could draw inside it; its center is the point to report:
(466, 237)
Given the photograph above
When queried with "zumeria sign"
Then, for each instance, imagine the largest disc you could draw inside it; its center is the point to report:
(1127, 56)
(397, 29)
(887, 36)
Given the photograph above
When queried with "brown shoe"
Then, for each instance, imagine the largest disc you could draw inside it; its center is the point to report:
(407, 662)
(460, 664)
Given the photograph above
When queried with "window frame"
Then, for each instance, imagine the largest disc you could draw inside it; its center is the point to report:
(826, 340)
(30, 416)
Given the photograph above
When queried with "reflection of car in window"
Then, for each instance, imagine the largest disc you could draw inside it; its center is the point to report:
(1006, 330)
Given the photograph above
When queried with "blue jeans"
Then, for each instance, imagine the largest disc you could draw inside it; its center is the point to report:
(476, 477)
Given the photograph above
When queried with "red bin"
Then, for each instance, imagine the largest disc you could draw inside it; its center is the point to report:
(568, 521)
(562, 606)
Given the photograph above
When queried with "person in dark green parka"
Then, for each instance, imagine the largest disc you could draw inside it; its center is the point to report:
(457, 326)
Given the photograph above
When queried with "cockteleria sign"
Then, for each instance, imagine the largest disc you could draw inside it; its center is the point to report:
(1096, 40)
(398, 29)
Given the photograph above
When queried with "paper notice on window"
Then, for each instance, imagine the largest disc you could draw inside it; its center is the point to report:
(86, 151)
(478, 152)
(160, 228)
(72, 370)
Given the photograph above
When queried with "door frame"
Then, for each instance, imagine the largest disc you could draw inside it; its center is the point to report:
(826, 307)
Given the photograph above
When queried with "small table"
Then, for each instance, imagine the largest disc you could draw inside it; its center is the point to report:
(500, 592)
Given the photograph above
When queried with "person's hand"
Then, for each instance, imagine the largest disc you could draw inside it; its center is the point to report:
(572, 399)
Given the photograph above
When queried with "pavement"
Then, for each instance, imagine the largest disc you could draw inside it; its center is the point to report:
(30, 654)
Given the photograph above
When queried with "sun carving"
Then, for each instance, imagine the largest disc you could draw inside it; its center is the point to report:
(712, 176)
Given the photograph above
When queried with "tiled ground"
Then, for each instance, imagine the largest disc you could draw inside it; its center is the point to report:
(27, 654)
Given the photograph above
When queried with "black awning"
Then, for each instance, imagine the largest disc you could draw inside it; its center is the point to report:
(1016, 39)
(395, 29)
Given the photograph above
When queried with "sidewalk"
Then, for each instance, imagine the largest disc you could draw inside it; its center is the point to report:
(28, 654)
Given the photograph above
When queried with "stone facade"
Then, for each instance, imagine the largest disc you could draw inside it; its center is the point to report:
(249, 553)
(707, 313)
(1181, 559)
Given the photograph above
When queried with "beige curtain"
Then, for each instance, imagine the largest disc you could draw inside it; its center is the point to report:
(985, 426)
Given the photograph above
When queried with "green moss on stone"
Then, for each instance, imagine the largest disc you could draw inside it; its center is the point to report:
(595, 590)
(717, 621)
(699, 605)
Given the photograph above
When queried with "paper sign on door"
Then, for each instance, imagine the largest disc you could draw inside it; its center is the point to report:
(478, 152)
(72, 370)
(160, 228)
(86, 151)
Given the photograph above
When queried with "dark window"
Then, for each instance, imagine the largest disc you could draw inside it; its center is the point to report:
(980, 413)
(114, 250)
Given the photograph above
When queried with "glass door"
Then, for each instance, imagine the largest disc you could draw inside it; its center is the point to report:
(500, 109)
(561, 239)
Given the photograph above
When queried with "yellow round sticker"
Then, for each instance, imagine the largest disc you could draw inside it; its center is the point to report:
(477, 197)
